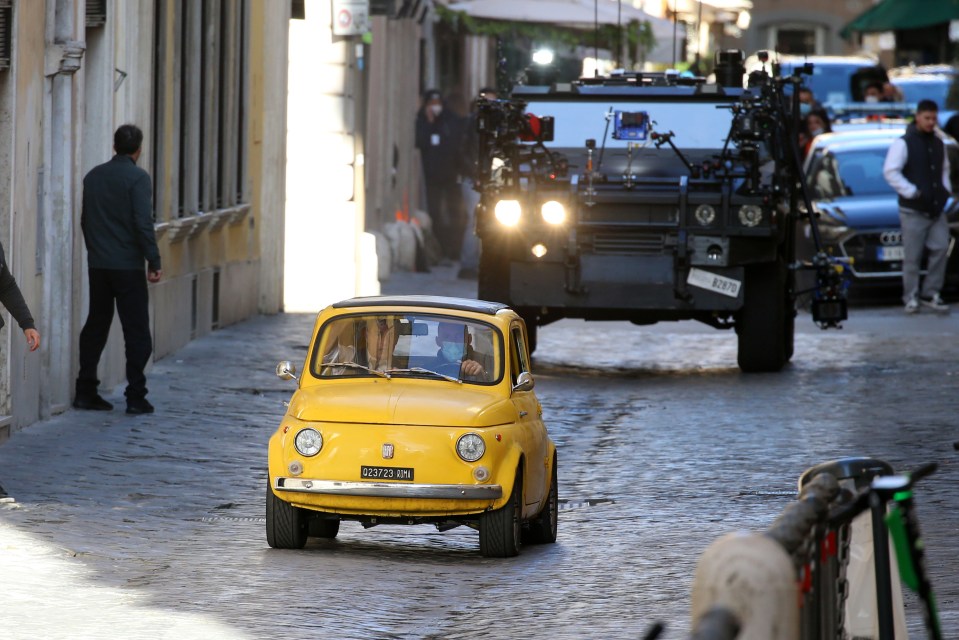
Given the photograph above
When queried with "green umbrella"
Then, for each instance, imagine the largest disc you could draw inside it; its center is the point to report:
(890, 15)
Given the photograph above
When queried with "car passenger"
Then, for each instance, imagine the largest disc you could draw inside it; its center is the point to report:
(455, 355)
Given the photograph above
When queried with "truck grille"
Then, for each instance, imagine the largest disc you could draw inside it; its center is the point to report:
(629, 243)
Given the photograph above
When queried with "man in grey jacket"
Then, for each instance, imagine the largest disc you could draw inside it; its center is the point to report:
(117, 223)
(917, 167)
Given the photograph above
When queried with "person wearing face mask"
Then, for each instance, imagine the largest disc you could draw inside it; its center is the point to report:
(455, 356)
(807, 101)
(815, 123)
(872, 93)
(439, 137)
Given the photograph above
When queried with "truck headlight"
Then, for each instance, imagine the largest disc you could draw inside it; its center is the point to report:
(553, 212)
(308, 442)
(508, 212)
(705, 214)
(750, 215)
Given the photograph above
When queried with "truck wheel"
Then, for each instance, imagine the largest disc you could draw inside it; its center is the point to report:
(500, 531)
(285, 524)
(763, 323)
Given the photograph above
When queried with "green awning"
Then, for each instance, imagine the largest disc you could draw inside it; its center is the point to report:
(890, 15)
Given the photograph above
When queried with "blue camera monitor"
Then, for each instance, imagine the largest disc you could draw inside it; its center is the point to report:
(631, 125)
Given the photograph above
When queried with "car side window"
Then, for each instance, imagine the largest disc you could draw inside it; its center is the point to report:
(518, 359)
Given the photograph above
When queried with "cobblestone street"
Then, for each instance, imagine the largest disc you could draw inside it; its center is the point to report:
(152, 526)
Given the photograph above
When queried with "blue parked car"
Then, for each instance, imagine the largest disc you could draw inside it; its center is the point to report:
(859, 212)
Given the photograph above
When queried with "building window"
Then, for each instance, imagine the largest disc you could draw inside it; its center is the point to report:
(203, 152)
(797, 39)
(6, 34)
(96, 13)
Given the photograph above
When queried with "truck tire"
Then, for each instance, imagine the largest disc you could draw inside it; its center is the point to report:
(764, 323)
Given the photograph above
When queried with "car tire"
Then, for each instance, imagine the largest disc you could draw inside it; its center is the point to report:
(762, 325)
(500, 531)
(285, 524)
(543, 528)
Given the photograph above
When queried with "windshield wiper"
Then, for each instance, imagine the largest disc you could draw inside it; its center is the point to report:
(356, 366)
(429, 371)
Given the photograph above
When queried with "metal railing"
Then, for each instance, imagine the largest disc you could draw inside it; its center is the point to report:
(830, 555)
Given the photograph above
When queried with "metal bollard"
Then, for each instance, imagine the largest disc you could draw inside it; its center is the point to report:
(753, 577)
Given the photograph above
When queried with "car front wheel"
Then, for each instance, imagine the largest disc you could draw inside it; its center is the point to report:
(543, 528)
(285, 524)
(500, 530)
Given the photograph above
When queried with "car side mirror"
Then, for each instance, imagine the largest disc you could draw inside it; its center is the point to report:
(524, 382)
(285, 370)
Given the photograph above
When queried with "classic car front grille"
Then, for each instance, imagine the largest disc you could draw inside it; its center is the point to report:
(628, 243)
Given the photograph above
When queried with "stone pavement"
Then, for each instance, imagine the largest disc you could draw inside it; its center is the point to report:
(151, 526)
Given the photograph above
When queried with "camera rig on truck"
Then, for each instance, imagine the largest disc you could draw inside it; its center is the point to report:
(652, 197)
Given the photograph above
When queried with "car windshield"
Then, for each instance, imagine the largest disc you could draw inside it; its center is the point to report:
(924, 88)
(840, 173)
(830, 83)
(409, 345)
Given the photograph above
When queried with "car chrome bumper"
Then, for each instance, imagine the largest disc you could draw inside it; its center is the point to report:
(390, 489)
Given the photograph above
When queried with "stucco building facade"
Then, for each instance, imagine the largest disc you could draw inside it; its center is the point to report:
(206, 80)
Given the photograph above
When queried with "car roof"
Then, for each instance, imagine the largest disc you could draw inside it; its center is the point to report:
(429, 302)
(829, 60)
(937, 78)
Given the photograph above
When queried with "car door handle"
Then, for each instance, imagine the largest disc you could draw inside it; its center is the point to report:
(522, 414)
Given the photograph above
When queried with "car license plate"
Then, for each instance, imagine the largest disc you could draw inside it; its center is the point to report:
(888, 254)
(386, 473)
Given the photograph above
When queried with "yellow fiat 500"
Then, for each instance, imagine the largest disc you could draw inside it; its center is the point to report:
(414, 410)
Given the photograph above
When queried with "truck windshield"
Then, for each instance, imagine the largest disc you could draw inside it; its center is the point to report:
(697, 125)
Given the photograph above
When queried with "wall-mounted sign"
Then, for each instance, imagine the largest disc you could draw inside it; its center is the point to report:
(351, 17)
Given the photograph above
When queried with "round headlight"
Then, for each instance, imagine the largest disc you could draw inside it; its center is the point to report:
(508, 212)
(539, 250)
(750, 215)
(470, 447)
(553, 212)
(308, 442)
(705, 214)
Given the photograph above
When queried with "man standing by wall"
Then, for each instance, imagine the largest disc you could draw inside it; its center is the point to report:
(918, 169)
(117, 223)
(13, 300)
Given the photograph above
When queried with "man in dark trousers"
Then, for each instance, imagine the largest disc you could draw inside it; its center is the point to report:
(917, 167)
(439, 137)
(117, 222)
(13, 300)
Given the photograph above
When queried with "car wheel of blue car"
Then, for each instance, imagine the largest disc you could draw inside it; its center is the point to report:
(542, 529)
(500, 531)
(285, 524)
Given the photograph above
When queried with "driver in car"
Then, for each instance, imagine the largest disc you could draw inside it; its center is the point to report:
(455, 355)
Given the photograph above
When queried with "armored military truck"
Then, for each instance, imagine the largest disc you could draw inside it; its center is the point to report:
(649, 197)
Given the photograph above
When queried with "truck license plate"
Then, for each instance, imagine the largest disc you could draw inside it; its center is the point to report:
(713, 282)
(386, 473)
(889, 254)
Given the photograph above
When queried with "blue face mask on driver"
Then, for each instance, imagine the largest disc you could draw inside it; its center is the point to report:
(804, 108)
(453, 351)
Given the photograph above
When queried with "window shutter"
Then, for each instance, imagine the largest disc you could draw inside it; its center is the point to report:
(96, 13)
(6, 35)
